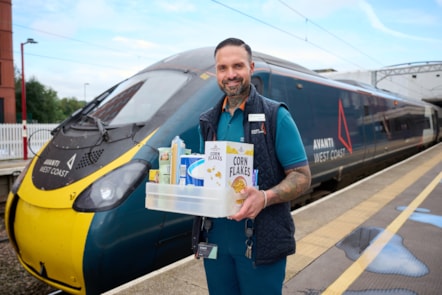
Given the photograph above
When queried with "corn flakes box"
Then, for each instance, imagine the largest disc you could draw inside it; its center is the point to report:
(228, 164)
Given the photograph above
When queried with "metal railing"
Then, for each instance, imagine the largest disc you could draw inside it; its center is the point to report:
(11, 139)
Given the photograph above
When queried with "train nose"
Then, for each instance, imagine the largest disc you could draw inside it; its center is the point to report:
(50, 244)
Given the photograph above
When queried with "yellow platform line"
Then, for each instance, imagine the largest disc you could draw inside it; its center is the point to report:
(357, 268)
(318, 242)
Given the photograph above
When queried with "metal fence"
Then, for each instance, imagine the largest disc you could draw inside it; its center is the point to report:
(11, 139)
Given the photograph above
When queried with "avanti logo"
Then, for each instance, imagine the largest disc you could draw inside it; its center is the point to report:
(342, 124)
(324, 149)
(71, 161)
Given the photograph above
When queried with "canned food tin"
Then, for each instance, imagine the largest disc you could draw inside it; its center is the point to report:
(192, 171)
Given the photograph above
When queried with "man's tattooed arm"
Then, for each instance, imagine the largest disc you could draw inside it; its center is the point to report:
(296, 182)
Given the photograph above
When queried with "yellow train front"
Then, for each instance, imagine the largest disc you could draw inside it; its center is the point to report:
(77, 215)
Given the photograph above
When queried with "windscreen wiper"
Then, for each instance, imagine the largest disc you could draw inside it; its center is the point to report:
(85, 110)
(101, 128)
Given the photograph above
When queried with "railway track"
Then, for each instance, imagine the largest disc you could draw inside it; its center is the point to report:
(3, 235)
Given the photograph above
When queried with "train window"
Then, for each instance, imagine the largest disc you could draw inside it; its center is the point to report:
(140, 97)
(284, 88)
(257, 82)
(326, 101)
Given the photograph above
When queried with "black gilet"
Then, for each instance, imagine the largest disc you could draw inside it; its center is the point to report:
(274, 226)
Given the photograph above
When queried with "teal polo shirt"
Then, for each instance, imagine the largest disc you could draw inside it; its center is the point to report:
(289, 148)
(230, 127)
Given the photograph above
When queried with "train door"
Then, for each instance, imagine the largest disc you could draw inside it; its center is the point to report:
(382, 126)
(438, 125)
(368, 125)
(350, 118)
(174, 242)
(291, 91)
(258, 83)
(430, 130)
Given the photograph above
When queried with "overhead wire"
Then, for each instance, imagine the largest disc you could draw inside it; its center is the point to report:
(330, 33)
(69, 38)
(303, 39)
(346, 43)
(287, 33)
(74, 61)
(73, 40)
(311, 43)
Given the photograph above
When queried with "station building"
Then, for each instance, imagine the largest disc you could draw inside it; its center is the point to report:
(416, 80)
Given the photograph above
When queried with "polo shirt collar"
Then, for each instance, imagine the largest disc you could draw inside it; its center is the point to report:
(242, 106)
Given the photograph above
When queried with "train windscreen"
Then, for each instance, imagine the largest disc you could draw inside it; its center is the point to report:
(139, 98)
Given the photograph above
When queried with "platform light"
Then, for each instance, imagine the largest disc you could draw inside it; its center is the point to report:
(23, 98)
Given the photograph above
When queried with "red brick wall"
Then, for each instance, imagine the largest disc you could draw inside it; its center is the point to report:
(7, 91)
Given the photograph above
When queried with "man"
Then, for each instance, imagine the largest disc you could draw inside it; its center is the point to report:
(253, 244)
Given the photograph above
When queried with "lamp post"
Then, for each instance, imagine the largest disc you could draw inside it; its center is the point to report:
(85, 84)
(23, 98)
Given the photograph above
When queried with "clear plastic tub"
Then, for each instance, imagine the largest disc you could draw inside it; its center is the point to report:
(192, 200)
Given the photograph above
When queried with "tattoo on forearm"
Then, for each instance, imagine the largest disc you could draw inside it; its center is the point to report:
(296, 182)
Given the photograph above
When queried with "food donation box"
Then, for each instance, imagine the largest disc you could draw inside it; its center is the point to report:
(227, 169)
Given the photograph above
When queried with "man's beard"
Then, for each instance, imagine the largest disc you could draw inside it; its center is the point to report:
(238, 91)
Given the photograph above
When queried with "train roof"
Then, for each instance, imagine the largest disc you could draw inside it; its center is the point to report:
(358, 84)
(377, 91)
(202, 59)
(283, 63)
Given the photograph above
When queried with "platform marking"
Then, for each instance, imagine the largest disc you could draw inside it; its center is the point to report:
(358, 267)
(313, 245)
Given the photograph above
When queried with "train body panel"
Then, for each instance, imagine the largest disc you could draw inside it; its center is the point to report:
(83, 195)
(52, 242)
(343, 126)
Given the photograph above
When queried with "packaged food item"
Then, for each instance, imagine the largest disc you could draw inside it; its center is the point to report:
(192, 170)
(154, 175)
(177, 150)
(228, 164)
(213, 181)
(164, 165)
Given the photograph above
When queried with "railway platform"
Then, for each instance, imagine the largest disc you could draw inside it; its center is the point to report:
(9, 170)
(381, 235)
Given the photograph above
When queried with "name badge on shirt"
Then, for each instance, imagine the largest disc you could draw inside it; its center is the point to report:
(257, 117)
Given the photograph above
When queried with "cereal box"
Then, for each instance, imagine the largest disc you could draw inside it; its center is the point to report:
(228, 164)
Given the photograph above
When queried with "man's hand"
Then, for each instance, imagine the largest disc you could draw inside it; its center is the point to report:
(253, 204)
(296, 182)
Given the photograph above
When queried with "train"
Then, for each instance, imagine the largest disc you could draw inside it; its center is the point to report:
(76, 215)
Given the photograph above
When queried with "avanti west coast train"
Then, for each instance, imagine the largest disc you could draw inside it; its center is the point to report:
(76, 216)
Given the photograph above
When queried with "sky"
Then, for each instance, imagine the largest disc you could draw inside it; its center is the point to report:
(84, 47)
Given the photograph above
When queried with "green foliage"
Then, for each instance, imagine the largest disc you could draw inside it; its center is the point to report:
(70, 105)
(43, 104)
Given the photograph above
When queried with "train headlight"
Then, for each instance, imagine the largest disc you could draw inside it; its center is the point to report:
(111, 189)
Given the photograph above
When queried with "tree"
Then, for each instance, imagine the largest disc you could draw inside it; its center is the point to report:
(43, 104)
(70, 105)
